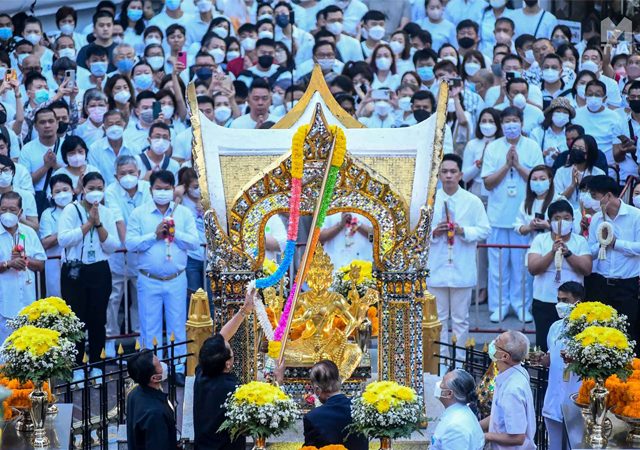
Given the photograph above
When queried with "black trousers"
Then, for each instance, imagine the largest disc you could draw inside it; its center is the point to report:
(544, 314)
(621, 294)
(88, 296)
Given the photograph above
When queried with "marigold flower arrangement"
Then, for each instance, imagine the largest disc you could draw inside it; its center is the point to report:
(624, 396)
(586, 314)
(342, 281)
(386, 409)
(51, 313)
(19, 396)
(599, 352)
(37, 354)
(260, 410)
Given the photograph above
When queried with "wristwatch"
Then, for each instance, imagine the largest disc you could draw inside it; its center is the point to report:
(569, 253)
(98, 226)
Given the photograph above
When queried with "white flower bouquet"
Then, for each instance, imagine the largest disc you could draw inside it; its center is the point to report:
(51, 313)
(37, 354)
(260, 410)
(386, 409)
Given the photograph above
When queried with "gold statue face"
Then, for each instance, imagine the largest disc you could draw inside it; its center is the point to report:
(320, 275)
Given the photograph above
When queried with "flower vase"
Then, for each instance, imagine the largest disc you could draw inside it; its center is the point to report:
(385, 443)
(260, 443)
(598, 409)
(38, 411)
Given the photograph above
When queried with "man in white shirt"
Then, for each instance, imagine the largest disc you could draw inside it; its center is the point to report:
(125, 194)
(512, 64)
(505, 170)
(199, 25)
(137, 131)
(172, 13)
(614, 280)
(345, 237)
(259, 101)
(458, 10)
(533, 20)
(591, 60)
(21, 255)
(156, 156)
(348, 46)
(512, 423)
(103, 152)
(353, 12)
(290, 35)
(162, 282)
(452, 269)
(517, 94)
(374, 29)
(42, 156)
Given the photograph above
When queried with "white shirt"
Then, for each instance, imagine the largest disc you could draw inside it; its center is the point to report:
(29, 208)
(468, 212)
(564, 178)
(442, 33)
(493, 93)
(613, 91)
(548, 138)
(558, 390)
(22, 179)
(198, 27)
(474, 151)
(353, 15)
(487, 25)
(89, 132)
(532, 117)
(349, 49)
(304, 42)
(72, 241)
(392, 82)
(141, 237)
(173, 166)
(49, 226)
(527, 24)
(505, 198)
(15, 293)
(32, 158)
(182, 145)
(163, 21)
(512, 409)
(136, 137)
(458, 10)
(116, 198)
(623, 261)
(605, 127)
(74, 178)
(458, 429)
(247, 122)
(102, 156)
(524, 218)
(198, 217)
(545, 286)
(375, 121)
(343, 249)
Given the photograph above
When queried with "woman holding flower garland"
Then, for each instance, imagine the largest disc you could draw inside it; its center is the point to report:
(214, 381)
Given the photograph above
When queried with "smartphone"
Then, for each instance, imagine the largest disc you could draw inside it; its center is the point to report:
(10, 75)
(363, 86)
(381, 94)
(157, 109)
(455, 82)
(510, 75)
(182, 58)
(539, 216)
(71, 76)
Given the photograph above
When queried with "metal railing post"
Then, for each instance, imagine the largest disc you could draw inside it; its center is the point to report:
(126, 294)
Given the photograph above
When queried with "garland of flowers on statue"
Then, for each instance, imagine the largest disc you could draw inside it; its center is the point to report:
(297, 154)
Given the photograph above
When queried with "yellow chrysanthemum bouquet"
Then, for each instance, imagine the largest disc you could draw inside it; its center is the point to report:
(37, 354)
(342, 281)
(588, 314)
(51, 313)
(260, 410)
(386, 409)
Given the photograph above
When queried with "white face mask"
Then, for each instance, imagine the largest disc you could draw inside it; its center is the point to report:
(519, 101)
(564, 309)
(152, 40)
(162, 196)
(382, 108)
(77, 160)
(221, 32)
(397, 47)
(405, 103)
(589, 65)
(550, 75)
(9, 220)
(231, 55)
(194, 192)
(265, 34)
(563, 228)
(327, 64)
(376, 33)
(560, 119)
(471, 68)
(383, 63)
(217, 54)
(128, 181)
(335, 28)
(5, 179)
(114, 132)
(63, 198)
(222, 114)
(159, 146)
(156, 62)
(488, 129)
(277, 98)
(167, 111)
(581, 90)
(93, 197)
(594, 103)
(67, 53)
(636, 201)
(122, 96)
(248, 44)
(529, 57)
(589, 202)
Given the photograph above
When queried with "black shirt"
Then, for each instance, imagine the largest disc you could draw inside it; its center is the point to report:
(209, 394)
(325, 425)
(150, 421)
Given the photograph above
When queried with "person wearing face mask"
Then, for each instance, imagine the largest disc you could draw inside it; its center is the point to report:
(442, 31)
(458, 427)
(17, 269)
(576, 264)
(197, 28)
(512, 422)
(7, 176)
(95, 107)
(633, 117)
(123, 195)
(172, 13)
(74, 154)
(259, 100)
(506, 166)
(87, 233)
(214, 381)
(550, 135)
(162, 260)
(150, 416)
(348, 46)
(561, 385)
(579, 89)
(97, 59)
(610, 133)
(383, 65)
(635, 196)
(103, 152)
(553, 85)
(517, 93)
(614, 280)
(373, 31)
(425, 61)
(580, 164)
(61, 196)
(382, 115)
(33, 33)
(496, 26)
(22, 178)
(136, 133)
(532, 19)
(290, 35)
(157, 156)
(403, 96)
(591, 60)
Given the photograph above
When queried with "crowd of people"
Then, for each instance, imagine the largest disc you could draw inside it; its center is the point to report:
(95, 147)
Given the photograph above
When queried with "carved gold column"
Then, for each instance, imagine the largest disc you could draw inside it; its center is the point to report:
(199, 327)
(431, 328)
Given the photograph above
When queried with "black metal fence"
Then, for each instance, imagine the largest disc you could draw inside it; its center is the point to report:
(477, 363)
(100, 401)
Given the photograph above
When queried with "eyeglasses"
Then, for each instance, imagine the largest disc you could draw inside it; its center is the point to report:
(6, 170)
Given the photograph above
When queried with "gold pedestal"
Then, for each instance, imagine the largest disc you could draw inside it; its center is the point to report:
(199, 327)
(431, 328)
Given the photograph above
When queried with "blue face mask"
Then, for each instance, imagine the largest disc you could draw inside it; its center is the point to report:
(282, 20)
(41, 96)
(5, 33)
(134, 14)
(125, 65)
(204, 73)
(425, 73)
(143, 81)
(173, 4)
(22, 57)
(98, 68)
